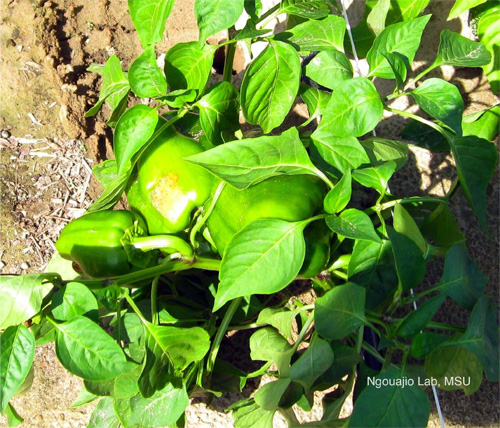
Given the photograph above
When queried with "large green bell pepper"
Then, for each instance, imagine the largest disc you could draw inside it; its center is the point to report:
(286, 197)
(97, 242)
(166, 188)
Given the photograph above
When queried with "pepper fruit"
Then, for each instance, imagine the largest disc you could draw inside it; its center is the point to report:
(166, 188)
(285, 197)
(97, 243)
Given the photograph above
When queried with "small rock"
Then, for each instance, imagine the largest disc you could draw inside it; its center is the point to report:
(5, 134)
(2, 265)
(24, 266)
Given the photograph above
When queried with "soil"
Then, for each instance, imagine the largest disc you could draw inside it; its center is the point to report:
(48, 147)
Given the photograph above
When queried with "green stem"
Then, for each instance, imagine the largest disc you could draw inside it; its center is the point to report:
(220, 334)
(203, 219)
(167, 243)
(171, 266)
(419, 76)
(119, 321)
(432, 125)
(303, 332)
(359, 339)
(154, 298)
(444, 326)
(323, 176)
(390, 204)
(388, 358)
(134, 307)
(260, 371)
(245, 326)
(228, 63)
(372, 351)
(268, 16)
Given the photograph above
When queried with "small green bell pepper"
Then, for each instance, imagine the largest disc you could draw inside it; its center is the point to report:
(97, 242)
(166, 188)
(286, 197)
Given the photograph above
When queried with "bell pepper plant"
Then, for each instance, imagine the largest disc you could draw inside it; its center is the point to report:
(229, 205)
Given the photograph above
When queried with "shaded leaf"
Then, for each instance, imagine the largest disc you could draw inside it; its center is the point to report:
(73, 300)
(381, 150)
(415, 321)
(268, 396)
(279, 318)
(426, 342)
(267, 344)
(441, 227)
(399, 65)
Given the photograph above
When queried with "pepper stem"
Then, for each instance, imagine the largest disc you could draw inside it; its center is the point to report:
(167, 243)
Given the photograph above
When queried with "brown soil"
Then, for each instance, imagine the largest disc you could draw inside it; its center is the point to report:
(48, 148)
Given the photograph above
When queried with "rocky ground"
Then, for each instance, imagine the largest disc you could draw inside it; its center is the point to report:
(48, 148)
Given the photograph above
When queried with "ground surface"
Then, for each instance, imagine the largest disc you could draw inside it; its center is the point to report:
(47, 150)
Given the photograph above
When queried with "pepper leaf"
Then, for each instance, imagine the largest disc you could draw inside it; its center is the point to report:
(354, 109)
(270, 86)
(353, 224)
(343, 153)
(216, 15)
(376, 177)
(340, 311)
(149, 18)
(442, 101)
(22, 296)
(462, 6)
(145, 77)
(459, 51)
(313, 9)
(315, 99)
(337, 198)
(104, 415)
(263, 258)
(330, 69)
(268, 397)
(187, 66)
(74, 299)
(312, 36)
(219, 111)
(415, 321)
(134, 129)
(246, 162)
(87, 351)
(403, 38)
(17, 350)
(266, 344)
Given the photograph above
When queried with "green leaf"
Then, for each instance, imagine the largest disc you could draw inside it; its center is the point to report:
(404, 10)
(73, 300)
(330, 69)
(253, 416)
(396, 406)
(481, 337)
(219, 111)
(353, 224)
(263, 258)
(344, 363)
(104, 415)
(340, 311)
(403, 38)
(381, 150)
(415, 321)
(149, 17)
(424, 343)
(270, 86)
(377, 16)
(267, 344)
(355, 108)
(449, 364)
(317, 358)
(164, 408)
(441, 227)
(424, 136)
(337, 198)
(135, 127)
(442, 101)
(87, 351)
(376, 177)
(268, 397)
(410, 263)
(343, 153)
(462, 280)
(459, 51)
(22, 296)
(279, 318)
(17, 350)
(315, 99)
(488, 29)
(313, 9)
(372, 266)
(84, 397)
(253, 8)
(404, 223)
(484, 124)
(170, 346)
(115, 86)
(476, 160)
(187, 66)
(178, 98)
(13, 418)
(399, 65)
(462, 6)
(216, 15)
(145, 77)
(312, 36)
(246, 162)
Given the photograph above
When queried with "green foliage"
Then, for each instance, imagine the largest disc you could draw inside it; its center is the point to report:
(147, 340)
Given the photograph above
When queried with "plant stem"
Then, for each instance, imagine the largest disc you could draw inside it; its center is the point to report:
(323, 176)
(245, 326)
(167, 243)
(419, 76)
(444, 326)
(154, 298)
(260, 371)
(372, 351)
(432, 125)
(119, 321)
(220, 334)
(134, 307)
(303, 332)
(390, 204)
(359, 339)
(228, 63)
(202, 220)
(268, 16)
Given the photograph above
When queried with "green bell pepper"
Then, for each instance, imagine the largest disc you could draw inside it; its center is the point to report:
(166, 188)
(286, 197)
(98, 242)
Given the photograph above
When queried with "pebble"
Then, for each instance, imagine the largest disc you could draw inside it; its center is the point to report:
(5, 134)
(24, 266)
